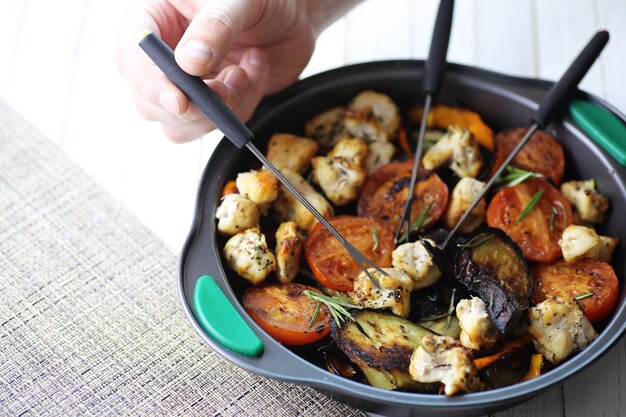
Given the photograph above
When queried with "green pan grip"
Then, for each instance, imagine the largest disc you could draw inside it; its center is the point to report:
(602, 126)
(221, 321)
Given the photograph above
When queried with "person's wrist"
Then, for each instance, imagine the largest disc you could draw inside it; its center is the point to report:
(323, 13)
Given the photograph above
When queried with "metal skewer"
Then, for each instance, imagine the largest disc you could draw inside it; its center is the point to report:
(433, 71)
(236, 131)
(552, 105)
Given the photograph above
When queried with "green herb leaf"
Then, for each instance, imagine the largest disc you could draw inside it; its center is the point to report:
(450, 309)
(421, 219)
(336, 305)
(552, 218)
(531, 204)
(375, 233)
(515, 176)
(583, 296)
(315, 314)
(476, 241)
(437, 317)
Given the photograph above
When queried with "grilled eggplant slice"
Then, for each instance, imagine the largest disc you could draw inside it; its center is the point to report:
(381, 346)
(509, 368)
(492, 266)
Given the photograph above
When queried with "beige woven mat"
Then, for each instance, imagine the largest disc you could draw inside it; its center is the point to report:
(90, 322)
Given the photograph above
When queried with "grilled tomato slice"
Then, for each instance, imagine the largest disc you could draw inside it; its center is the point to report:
(385, 191)
(332, 265)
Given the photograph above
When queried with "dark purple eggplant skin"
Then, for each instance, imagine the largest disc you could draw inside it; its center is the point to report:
(509, 369)
(505, 286)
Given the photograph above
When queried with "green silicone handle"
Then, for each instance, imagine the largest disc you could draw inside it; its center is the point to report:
(221, 321)
(602, 126)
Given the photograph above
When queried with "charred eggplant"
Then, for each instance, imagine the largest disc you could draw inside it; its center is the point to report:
(381, 346)
(492, 266)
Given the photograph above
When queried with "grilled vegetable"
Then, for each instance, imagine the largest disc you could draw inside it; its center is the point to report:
(385, 191)
(538, 366)
(496, 271)
(508, 368)
(542, 153)
(381, 346)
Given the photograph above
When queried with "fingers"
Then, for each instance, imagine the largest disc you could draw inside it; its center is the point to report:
(211, 33)
(255, 64)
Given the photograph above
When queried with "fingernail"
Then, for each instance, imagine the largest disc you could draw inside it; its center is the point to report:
(169, 102)
(257, 58)
(198, 51)
(235, 81)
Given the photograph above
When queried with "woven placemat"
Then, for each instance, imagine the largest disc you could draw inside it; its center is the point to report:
(90, 322)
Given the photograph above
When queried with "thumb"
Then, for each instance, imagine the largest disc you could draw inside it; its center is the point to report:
(211, 34)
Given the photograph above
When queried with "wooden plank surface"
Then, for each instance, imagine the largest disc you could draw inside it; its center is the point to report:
(57, 68)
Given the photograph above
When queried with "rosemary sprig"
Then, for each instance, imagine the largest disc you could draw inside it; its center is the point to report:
(437, 317)
(531, 204)
(515, 176)
(421, 219)
(583, 296)
(450, 309)
(552, 218)
(336, 306)
(375, 233)
(475, 241)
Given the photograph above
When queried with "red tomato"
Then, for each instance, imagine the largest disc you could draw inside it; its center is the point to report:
(285, 313)
(567, 280)
(329, 261)
(542, 153)
(385, 191)
(532, 234)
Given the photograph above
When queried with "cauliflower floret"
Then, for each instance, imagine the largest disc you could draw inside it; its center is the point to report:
(579, 242)
(288, 208)
(236, 213)
(260, 187)
(477, 330)
(364, 125)
(463, 195)
(341, 174)
(459, 146)
(381, 153)
(395, 293)
(382, 106)
(443, 359)
(415, 261)
(327, 127)
(590, 205)
(353, 149)
(248, 255)
(289, 247)
(291, 151)
(559, 329)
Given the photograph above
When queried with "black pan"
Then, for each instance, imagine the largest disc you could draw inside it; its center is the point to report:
(503, 102)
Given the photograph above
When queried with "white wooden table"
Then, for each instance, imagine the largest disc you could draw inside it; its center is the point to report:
(57, 69)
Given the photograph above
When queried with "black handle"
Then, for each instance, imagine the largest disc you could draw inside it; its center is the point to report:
(436, 63)
(558, 96)
(197, 91)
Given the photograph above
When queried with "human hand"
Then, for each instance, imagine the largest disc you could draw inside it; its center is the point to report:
(243, 49)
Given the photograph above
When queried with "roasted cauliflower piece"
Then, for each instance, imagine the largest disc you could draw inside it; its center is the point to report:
(559, 328)
(290, 151)
(381, 106)
(477, 330)
(288, 208)
(235, 214)
(579, 242)
(289, 246)
(463, 195)
(590, 205)
(327, 127)
(364, 125)
(381, 153)
(341, 174)
(260, 187)
(459, 147)
(443, 359)
(416, 262)
(248, 255)
(395, 293)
